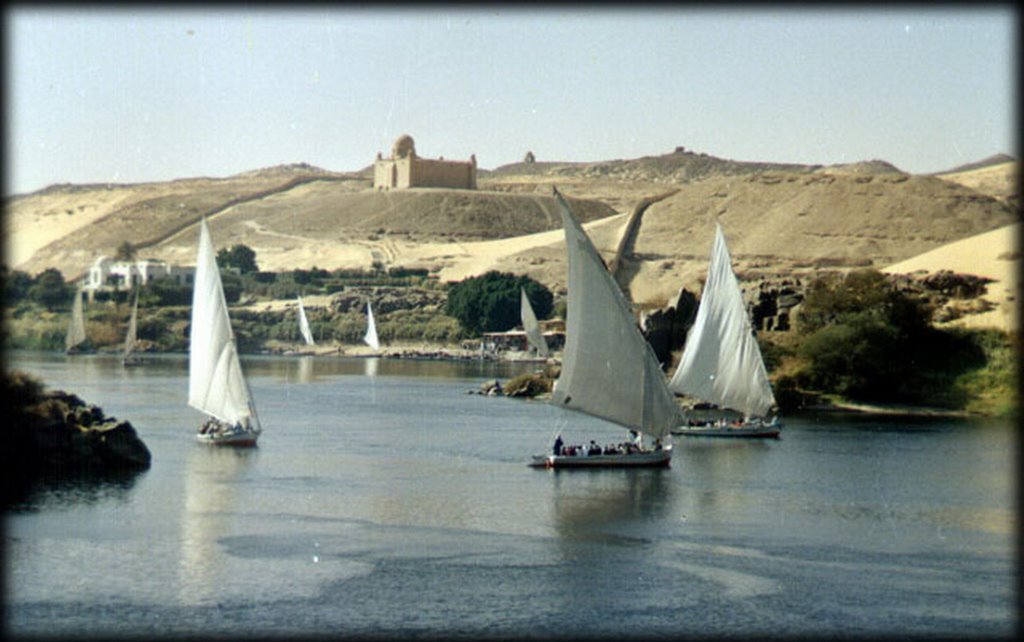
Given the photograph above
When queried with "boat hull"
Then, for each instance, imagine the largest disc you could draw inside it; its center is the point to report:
(749, 432)
(243, 439)
(652, 459)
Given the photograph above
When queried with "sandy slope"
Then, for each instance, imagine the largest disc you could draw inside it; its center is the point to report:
(49, 217)
(994, 255)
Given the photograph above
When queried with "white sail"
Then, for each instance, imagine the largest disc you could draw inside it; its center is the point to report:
(216, 383)
(76, 327)
(371, 329)
(132, 334)
(533, 333)
(608, 369)
(721, 362)
(307, 336)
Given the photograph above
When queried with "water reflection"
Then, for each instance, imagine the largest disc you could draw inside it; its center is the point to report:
(63, 492)
(718, 467)
(211, 475)
(305, 369)
(371, 366)
(588, 504)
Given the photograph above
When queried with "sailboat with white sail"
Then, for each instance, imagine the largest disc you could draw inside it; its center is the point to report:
(76, 341)
(217, 385)
(370, 338)
(304, 330)
(721, 362)
(608, 369)
(533, 334)
(130, 358)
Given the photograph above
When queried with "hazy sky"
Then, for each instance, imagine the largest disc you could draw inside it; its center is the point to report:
(111, 94)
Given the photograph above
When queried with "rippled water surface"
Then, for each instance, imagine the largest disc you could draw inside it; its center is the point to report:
(384, 499)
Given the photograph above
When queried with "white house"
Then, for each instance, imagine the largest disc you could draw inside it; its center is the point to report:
(107, 274)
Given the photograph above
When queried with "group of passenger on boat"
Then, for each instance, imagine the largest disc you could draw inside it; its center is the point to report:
(721, 422)
(215, 427)
(593, 448)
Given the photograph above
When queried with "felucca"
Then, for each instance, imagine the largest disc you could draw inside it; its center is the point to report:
(304, 330)
(608, 369)
(76, 341)
(217, 385)
(533, 334)
(131, 336)
(721, 362)
(370, 338)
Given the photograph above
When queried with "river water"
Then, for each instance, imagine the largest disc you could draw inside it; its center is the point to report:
(383, 499)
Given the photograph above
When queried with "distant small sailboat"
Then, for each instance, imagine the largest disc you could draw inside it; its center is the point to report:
(217, 385)
(721, 361)
(371, 329)
(131, 336)
(530, 325)
(609, 370)
(76, 340)
(307, 336)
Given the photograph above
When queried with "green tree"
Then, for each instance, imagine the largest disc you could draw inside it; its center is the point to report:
(831, 298)
(232, 284)
(869, 341)
(165, 291)
(16, 284)
(125, 252)
(241, 257)
(490, 302)
(49, 290)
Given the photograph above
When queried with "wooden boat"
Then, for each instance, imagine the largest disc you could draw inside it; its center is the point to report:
(217, 385)
(721, 362)
(608, 369)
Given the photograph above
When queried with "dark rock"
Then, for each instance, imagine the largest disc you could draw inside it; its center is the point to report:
(56, 436)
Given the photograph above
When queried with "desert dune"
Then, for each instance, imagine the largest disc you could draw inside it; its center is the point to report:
(994, 254)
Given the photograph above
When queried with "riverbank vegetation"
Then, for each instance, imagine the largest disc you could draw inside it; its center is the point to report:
(857, 337)
(862, 339)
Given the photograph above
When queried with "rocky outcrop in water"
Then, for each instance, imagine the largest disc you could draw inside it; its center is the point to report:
(55, 435)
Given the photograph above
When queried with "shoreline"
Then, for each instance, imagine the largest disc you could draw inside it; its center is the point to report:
(889, 410)
(438, 352)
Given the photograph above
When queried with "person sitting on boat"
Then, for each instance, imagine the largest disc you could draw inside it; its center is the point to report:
(638, 439)
(558, 445)
(657, 444)
(594, 449)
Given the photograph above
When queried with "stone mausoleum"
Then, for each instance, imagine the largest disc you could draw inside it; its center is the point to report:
(405, 169)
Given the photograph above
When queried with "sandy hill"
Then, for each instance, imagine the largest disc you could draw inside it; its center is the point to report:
(990, 161)
(780, 219)
(782, 222)
(994, 255)
(679, 166)
(1000, 180)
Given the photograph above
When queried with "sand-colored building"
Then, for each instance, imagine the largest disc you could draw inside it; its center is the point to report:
(405, 169)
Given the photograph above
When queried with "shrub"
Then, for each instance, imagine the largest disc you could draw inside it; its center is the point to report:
(49, 290)
(241, 257)
(491, 302)
(165, 291)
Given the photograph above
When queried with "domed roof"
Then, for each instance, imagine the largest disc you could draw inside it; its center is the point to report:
(404, 146)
